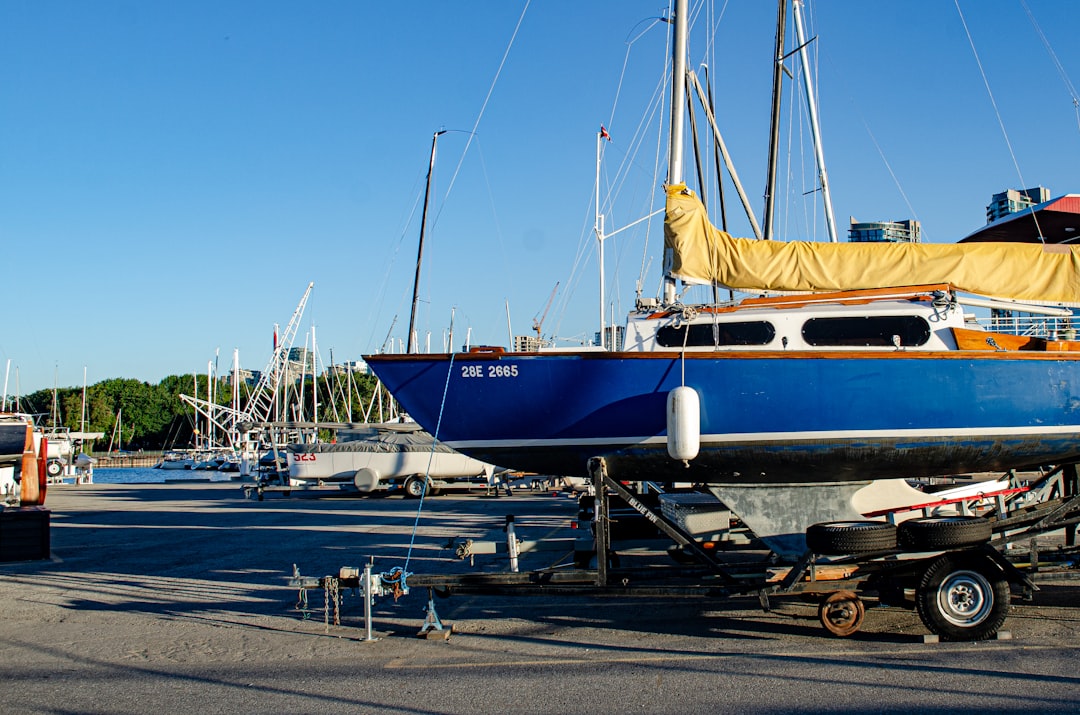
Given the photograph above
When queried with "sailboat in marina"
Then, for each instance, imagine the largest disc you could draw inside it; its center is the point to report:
(853, 363)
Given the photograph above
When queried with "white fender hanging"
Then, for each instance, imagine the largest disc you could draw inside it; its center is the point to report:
(683, 423)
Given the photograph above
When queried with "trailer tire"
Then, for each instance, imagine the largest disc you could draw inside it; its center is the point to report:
(841, 612)
(963, 596)
(415, 487)
(839, 538)
(942, 532)
(54, 468)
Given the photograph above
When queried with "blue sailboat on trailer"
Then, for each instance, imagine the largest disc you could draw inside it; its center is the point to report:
(860, 366)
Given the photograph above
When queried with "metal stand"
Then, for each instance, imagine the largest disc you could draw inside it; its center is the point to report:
(601, 523)
(433, 627)
(511, 543)
(369, 599)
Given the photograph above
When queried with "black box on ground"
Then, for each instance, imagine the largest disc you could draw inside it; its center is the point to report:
(24, 534)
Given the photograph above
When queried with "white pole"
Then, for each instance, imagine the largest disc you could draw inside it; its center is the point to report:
(598, 229)
(314, 380)
(348, 403)
(612, 342)
(303, 373)
(209, 402)
(82, 423)
(236, 380)
(819, 153)
(678, 114)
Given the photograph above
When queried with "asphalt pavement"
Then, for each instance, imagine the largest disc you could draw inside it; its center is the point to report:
(175, 598)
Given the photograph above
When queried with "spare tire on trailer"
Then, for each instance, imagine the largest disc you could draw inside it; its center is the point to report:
(366, 480)
(54, 468)
(935, 533)
(840, 538)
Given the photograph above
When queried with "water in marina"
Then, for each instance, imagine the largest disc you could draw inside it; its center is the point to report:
(148, 475)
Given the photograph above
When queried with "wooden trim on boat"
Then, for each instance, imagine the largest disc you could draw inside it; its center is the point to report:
(1003, 342)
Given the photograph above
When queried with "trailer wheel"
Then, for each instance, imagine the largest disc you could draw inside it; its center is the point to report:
(841, 613)
(838, 538)
(963, 597)
(414, 487)
(54, 468)
(942, 532)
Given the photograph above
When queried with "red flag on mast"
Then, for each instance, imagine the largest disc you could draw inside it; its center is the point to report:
(604, 134)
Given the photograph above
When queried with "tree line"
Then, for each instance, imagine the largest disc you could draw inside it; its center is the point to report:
(138, 415)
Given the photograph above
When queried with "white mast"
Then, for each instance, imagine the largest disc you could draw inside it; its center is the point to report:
(819, 153)
(236, 380)
(314, 381)
(209, 440)
(598, 228)
(82, 422)
(678, 118)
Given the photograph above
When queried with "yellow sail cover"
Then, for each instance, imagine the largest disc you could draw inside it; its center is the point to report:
(698, 252)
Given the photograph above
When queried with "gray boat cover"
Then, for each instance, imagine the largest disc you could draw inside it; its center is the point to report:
(376, 439)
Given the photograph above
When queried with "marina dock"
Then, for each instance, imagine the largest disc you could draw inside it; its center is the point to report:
(174, 598)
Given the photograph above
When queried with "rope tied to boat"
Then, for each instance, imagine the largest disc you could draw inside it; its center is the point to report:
(683, 314)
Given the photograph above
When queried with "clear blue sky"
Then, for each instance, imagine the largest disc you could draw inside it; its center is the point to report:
(174, 174)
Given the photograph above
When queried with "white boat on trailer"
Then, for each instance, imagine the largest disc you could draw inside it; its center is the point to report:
(392, 457)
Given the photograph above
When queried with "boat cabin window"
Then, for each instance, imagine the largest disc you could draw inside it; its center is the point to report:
(756, 332)
(867, 331)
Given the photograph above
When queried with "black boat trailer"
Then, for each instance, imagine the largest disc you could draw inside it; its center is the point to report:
(960, 581)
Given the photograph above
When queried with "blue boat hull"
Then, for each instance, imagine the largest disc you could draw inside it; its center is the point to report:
(765, 417)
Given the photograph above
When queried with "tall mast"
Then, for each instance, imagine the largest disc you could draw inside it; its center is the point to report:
(420, 250)
(598, 229)
(678, 115)
(774, 130)
(811, 105)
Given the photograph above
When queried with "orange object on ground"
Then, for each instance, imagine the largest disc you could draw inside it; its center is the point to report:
(29, 492)
(42, 474)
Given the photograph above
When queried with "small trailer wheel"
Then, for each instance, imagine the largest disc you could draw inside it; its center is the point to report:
(841, 613)
(414, 487)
